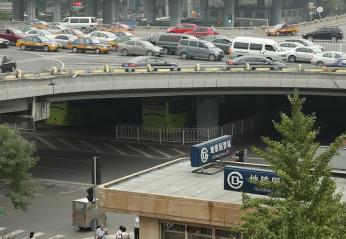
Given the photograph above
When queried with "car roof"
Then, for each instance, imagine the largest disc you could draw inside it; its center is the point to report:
(139, 58)
(255, 40)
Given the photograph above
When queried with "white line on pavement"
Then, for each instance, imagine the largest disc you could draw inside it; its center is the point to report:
(57, 237)
(159, 152)
(139, 151)
(45, 142)
(2, 228)
(178, 151)
(14, 233)
(91, 146)
(67, 192)
(38, 234)
(47, 57)
(114, 148)
(68, 144)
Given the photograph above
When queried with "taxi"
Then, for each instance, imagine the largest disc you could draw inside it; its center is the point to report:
(39, 24)
(117, 27)
(38, 43)
(106, 38)
(84, 44)
(282, 29)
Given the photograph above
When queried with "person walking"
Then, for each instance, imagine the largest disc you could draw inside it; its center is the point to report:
(136, 229)
(101, 232)
(32, 235)
(122, 234)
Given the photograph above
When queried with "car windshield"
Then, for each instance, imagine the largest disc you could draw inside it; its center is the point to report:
(110, 35)
(16, 31)
(278, 26)
(44, 39)
(277, 47)
(209, 44)
(146, 43)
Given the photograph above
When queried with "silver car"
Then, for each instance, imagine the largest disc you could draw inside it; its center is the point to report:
(323, 58)
(302, 54)
(63, 39)
(139, 47)
(286, 46)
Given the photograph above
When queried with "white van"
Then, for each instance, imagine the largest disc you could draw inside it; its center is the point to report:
(85, 24)
(257, 46)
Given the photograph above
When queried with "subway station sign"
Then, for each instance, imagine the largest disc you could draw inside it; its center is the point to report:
(237, 179)
(210, 151)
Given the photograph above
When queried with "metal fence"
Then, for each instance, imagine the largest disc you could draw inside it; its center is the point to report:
(187, 135)
(331, 46)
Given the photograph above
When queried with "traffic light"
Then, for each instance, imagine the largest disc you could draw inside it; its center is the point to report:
(90, 195)
(98, 171)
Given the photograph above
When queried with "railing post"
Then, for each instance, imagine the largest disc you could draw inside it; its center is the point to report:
(116, 133)
(242, 127)
(208, 134)
(183, 137)
(138, 134)
(251, 125)
(160, 132)
(232, 129)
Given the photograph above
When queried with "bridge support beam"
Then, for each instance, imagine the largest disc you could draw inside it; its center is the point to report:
(57, 11)
(40, 110)
(261, 4)
(207, 112)
(31, 9)
(18, 10)
(107, 11)
(228, 18)
(203, 9)
(175, 11)
(276, 12)
(149, 11)
(91, 7)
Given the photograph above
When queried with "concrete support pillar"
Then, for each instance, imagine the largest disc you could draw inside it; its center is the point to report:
(31, 10)
(107, 11)
(228, 18)
(167, 8)
(117, 10)
(175, 11)
(189, 8)
(207, 112)
(149, 11)
(203, 10)
(91, 7)
(124, 7)
(261, 4)
(57, 11)
(276, 12)
(18, 10)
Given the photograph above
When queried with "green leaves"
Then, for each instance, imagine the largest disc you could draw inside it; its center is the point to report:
(16, 158)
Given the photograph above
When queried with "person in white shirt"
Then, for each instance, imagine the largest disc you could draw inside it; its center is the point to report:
(136, 228)
(101, 232)
(122, 234)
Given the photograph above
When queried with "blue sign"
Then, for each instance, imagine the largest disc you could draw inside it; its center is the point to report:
(210, 151)
(237, 179)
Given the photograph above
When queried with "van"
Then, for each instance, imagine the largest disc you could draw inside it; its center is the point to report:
(199, 49)
(85, 24)
(257, 46)
(169, 42)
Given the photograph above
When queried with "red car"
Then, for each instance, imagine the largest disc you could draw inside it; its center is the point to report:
(12, 34)
(203, 31)
(182, 28)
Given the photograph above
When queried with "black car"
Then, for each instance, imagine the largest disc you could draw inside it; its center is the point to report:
(254, 62)
(7, 64)
(224, 43)
(4, 43)
(325, 33)
(155, 62)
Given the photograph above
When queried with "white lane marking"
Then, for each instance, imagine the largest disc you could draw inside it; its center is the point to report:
(14, 233)
(67, 192)
(38, 234)
(159, 152)
(56, 169)
(47, 57)
(57, 237)
(45, 142)
(2, 228)
(114, 148)
(139, 151)
(90, 146)
(64, 142)
(178, 151)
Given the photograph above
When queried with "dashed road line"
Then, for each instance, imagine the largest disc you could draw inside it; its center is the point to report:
(139, 151)
(38, 234)
(114, 148)
(67, 192)
(57, 237)
(14, 233)
(45, 142)
(64, 142)
(178, 151)
(159, 152)
(91, 146)
(2, 229)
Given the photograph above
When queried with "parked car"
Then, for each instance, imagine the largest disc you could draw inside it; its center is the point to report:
(169, 42)
(289, 45)
(85, 24)
(325, 33)
(306, 42)
(7, 64)
(13, 35)
(84, 44)
(154, 61)
(64, 39)
(4, 43)
(56, 29)
(40, 32)
(72, 31)
(326, 57)
(255, 61)
(105, 37)
(139, 47)
(199, 49)
(123, 34)
(282, 29)
(39, 24)
(117, 27)
(182, 28)
(38, 43)
(202, 32)
(341, 62)
(223, 43)
(302, 54)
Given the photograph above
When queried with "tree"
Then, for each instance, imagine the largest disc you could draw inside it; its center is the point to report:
(16, 158)
(303, 204)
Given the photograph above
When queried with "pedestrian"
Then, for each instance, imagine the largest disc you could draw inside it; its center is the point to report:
(122, 234)
(136, 229)
(101, 232)
(32, 235)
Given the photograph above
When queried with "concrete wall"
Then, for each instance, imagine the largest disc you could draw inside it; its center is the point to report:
(149, 228)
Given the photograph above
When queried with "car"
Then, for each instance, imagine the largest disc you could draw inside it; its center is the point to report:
(182, 28)
(117, 27)
(282, 29)
(40, 32)
(169, 42)
(139, 47)
(123, 34)
(72, 31)
(325, 33)
(202, 32)
(191, 48)
(106, 38)
(7, 64)
(56, 29)
(289, 45)
(254, 61)
(38, 43)
(341, 62)
(306, 42)
(84, 44)
(13, 35)
(64, 39)
(39, 24)
(85, 24)
(326, 57)
(4, 43)
(154, 61)
(223, 43)
(302, 54)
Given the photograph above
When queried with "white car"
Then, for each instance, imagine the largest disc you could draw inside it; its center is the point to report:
(104, 37)
(306, 43)
(302, 54)
(286, 46)
(323, 58)
(55, 29)
(63, 39)
(41, 33)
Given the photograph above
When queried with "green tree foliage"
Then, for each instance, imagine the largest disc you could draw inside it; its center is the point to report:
(16, 158)
(304, 203)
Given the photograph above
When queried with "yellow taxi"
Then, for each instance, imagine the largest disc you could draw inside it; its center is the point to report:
(117, 27)
(38, 43)
(84, 44)
(40, 25)
(282, 29)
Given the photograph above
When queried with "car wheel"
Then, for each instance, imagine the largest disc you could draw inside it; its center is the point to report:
(74, 49)
(124, 52)
(310, 38)
(278, 33)
(46, 48)
(334, 39)
(23, 47)
(13, 68)
(165, 51)
(84, 30)
(211, 57)
(292, 59)
(319, 63)
(149, 53)
(184, 55)
(97, 51)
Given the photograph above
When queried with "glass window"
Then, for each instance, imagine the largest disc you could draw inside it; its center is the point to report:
(269, 48)
(218, 41)
(193, 43)
(256, 47)
(138, 43)
(130, 43)
(84, 20)
(93, 20)
(74, 20)
(284, 44)
(337, 56)
(343, 61)
(159, 60)
(201, 45)
(300, 49)
(328, 55)
(201, 29)
(184, 43)
(308, 50)
(241, 45)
